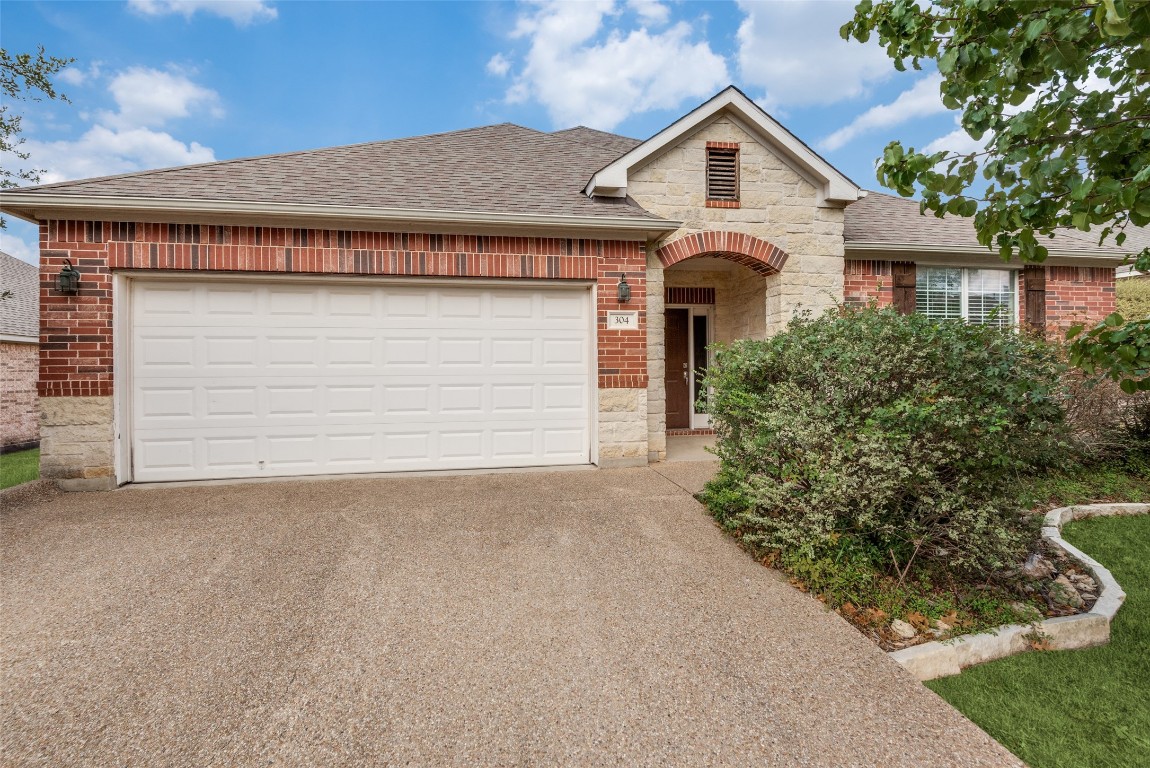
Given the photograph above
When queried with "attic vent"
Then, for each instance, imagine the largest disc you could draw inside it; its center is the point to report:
(722, 173)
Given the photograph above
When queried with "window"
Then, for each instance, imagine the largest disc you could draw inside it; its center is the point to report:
(983, 296)
(723, 173)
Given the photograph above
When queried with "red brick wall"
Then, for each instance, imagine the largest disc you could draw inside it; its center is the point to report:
(1078, 295)
(76, 330)
(1073, 294)
(19, 406)
(864, 281)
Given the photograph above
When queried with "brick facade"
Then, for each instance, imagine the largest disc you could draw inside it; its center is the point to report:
(867, 280)
(76, 353)
(1073, 294)
(19, 405)
(1078, 295)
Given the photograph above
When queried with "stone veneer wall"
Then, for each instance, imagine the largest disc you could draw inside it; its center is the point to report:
(776, 204)
(76, 378)
(19, 406)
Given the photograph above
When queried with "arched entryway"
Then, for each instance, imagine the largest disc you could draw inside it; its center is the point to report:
(750, 251)
(715, 287)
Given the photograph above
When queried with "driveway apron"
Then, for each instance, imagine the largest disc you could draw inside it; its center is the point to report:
(560, 618)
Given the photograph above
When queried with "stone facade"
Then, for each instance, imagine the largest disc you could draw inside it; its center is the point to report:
(622, 427)
(777, 205)
(77, 442)
(19, 406)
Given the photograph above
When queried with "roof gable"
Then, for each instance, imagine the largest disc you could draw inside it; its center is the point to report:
(834, 187)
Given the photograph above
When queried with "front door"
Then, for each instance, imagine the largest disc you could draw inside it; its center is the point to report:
(678, 373)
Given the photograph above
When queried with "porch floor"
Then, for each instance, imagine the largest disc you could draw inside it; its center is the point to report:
(690, 448)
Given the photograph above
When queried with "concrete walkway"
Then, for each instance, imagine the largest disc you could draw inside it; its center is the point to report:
(566, 618)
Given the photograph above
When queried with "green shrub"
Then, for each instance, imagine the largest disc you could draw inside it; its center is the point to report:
(1133, 297)
(892, 437)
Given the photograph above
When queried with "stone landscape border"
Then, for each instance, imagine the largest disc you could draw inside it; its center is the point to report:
(1084, 630)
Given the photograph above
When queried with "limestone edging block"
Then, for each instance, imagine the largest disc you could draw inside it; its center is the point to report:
(949, 657)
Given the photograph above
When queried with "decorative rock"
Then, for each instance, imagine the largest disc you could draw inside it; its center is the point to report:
(1083, 583)
(1026, 611)
(1064, 593)
(904, 630)
(1037, 567)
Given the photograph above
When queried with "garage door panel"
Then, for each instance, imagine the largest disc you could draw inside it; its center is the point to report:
(236, 452)
(267, 380)
(314, 401)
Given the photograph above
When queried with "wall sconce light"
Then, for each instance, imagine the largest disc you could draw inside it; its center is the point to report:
(624, 289)
(68, 281)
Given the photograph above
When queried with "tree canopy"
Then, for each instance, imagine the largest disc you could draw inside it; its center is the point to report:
(1057, 93)
(25, 77)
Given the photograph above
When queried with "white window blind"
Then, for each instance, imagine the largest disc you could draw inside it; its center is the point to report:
(985, 296)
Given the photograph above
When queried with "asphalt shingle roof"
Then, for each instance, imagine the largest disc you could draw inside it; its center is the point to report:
(495, 169)
(883, 218)
(20, 312)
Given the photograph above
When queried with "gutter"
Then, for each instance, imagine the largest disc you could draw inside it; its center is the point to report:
(974, 250)
(33, 207)
(8, 338)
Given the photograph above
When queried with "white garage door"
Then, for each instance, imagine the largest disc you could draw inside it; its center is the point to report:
(272, 379)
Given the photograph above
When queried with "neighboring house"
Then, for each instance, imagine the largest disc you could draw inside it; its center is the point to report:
(495, 297)
(19, 354)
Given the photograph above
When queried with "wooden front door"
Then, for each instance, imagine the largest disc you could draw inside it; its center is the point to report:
(677, 374)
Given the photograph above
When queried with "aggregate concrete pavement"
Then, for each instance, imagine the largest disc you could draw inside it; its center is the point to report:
(566, 618)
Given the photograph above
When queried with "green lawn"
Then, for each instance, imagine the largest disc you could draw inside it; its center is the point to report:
(1076, 709)
(19, 467)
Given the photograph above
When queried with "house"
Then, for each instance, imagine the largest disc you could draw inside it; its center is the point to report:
(19, 354)
(494, 297)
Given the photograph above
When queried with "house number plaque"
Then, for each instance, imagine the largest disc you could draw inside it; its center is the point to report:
(622, 321)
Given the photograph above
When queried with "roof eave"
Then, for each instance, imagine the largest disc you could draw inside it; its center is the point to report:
(1105, 258)
(36, 207)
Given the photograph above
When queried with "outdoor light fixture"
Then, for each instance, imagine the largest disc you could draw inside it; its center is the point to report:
(624, 289)
(68, 281)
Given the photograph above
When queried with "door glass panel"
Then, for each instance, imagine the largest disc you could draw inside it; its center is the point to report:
(699, 331)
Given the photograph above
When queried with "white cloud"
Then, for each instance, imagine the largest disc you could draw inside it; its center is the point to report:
(26, 247)
(498, 65)
(150, 97)
(104, 151)
(584, 71)
(793, 52)
(75, 75)
(240, 12)
(650, 11)
(920, 100)
(129, 138)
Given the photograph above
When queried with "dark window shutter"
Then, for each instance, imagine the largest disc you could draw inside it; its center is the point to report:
(722, 174)
(1034, 278)
(903, 279)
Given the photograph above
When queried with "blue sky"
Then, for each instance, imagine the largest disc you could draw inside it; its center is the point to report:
(158, 83)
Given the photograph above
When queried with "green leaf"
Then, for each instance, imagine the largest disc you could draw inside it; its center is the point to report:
(1129, 386)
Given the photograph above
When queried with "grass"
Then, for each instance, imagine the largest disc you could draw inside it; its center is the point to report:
(1127, 481)
(1076, 709)
(19, 467)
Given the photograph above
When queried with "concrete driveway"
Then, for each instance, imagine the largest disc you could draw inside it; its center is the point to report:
(561, 618)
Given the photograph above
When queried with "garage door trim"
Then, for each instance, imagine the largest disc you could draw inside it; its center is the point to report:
(124, 288)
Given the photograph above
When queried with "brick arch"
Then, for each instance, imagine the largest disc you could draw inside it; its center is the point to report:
(750, 251)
